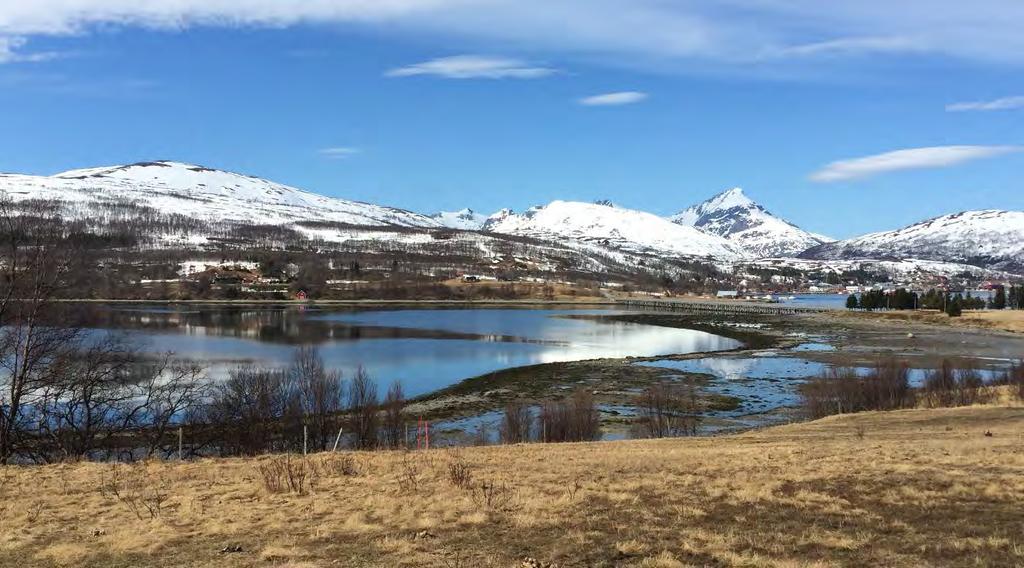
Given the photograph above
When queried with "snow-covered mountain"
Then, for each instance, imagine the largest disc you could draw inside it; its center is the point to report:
(990, 238)
(734, 216)
(203, 193)
(613, 227)
(463, 219)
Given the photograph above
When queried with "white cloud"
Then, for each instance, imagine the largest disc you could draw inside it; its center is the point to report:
(1005, 103)
(338, 152)
(756, 33)
(610, 99)
(473, 67)
(10, 51)
(849, 46)
(909, 159)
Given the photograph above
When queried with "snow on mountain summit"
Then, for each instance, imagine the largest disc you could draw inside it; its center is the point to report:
(990, 238)
(464, 219)
(734, 216)
(613, 227)
(204, 193)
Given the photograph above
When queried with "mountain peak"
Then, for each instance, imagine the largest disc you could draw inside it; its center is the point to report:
(627, 230)
(730, 198)
(734, 216)
(465, 219)
(205, 193)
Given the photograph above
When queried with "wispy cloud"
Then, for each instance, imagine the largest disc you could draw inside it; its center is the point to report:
(670, 33)
(473, 67)
(846, 46)
(338, 152)
(10, 51)
(909, 159)
(1005, 103)
(613, 99)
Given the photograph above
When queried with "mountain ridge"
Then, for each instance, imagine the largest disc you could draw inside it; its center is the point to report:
(732, 215)
(989, 237)
(624, 229)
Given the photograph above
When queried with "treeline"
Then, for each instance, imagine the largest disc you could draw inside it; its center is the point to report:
(952, 304)
(887, 387)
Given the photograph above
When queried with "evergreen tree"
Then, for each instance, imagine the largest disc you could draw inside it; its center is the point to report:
(999, 301)
(954, 306)
(851, 302)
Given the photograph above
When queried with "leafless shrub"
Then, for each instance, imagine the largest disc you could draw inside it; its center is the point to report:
(573, 489)
(409, 475)
(135, 488)
(950, 385)
(1013, 377)
(459, 473)
(286, 474)
(843, 390)
(343, 465)
(248, 409)
(575, 419)
(496, 496)
(515, 423)
(667, 409)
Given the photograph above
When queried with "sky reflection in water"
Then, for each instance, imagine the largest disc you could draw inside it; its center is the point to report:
(425, 349)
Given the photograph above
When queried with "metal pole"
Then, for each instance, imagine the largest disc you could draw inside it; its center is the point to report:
(305, 438)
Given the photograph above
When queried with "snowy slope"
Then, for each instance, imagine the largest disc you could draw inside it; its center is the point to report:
(464, 219)
(896, 269)
(990, 238)
(734, 216)
(203, 193)
(613, 227)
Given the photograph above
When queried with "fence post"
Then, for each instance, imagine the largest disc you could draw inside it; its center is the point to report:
(337, 440)
(181, 439)
(305, 438)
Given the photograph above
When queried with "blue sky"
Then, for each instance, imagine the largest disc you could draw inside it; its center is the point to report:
(441, 104)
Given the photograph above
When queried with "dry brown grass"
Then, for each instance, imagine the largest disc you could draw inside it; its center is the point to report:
(1003, 320)
(907, 488)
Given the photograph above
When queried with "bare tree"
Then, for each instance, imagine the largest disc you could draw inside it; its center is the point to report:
(34, 259)
(362, 403)
(246, 410)
(667, 409)
(515, 423)
(321, 392)
(394, 419)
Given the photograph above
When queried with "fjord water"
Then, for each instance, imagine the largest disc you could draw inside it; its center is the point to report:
(426, 349)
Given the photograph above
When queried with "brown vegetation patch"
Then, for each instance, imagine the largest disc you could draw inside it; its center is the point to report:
(903, 488)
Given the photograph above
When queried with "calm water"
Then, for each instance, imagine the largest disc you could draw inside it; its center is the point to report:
(424, 349)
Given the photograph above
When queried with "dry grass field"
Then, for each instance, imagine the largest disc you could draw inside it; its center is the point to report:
(1002, 320)
(938, 487)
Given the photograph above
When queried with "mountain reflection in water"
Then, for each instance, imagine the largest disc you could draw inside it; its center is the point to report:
(424, 349)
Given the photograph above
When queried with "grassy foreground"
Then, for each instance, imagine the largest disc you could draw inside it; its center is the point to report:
(905, 488)
(1000, 320)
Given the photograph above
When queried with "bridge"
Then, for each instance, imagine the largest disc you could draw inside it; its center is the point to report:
(739, 308)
